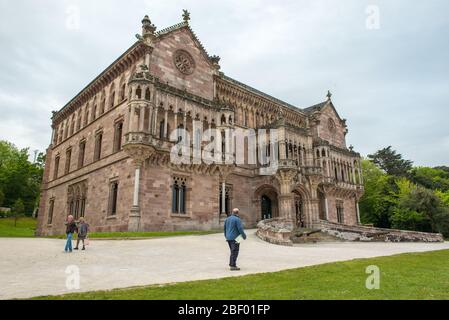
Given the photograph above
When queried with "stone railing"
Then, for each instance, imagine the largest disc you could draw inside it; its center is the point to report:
(276, 231)
(365, 233)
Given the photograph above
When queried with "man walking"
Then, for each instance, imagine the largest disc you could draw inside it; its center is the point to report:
(233, 231)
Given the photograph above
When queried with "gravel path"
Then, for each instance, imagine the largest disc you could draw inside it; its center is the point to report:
(35, 267)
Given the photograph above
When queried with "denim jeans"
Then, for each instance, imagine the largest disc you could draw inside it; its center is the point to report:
(68, 245)
(234, 246)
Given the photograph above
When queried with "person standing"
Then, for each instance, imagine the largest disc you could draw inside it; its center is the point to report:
(83, 228)
(71, 228)
(233, 231)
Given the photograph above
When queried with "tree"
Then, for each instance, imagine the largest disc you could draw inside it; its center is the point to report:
(431, 178)
(19, 178)
(376, 204)
(2, 197)
(18, 209)
(391, 162)
(427, 203)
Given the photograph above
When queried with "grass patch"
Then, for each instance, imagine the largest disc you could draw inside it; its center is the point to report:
(403, 277)
(25, 227)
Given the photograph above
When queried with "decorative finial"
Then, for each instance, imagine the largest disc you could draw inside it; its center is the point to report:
(185, 15)
(215, 61)
(147, 27)
(329, 95)
(351, 147)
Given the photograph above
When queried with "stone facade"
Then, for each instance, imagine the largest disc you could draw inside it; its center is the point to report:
(109, 157)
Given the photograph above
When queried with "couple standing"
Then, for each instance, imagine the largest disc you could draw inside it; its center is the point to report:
(71, 228)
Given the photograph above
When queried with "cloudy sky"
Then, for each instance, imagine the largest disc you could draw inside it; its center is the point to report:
(386, 62)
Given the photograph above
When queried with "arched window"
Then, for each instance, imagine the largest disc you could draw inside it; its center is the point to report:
(179, 195)
(138, 93)
(147, 94)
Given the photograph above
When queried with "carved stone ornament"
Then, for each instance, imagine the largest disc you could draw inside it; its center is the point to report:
(184, 62)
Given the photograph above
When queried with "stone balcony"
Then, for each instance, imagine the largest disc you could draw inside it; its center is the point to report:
(145, 138)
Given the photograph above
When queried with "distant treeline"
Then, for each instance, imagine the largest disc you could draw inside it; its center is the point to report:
(401, 196)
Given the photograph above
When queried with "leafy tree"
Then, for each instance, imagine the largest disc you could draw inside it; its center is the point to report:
(18, 209)
(2, 197)
(391, 162)
(427, 203)
(431, 178)
(377, 203)
(19, 178)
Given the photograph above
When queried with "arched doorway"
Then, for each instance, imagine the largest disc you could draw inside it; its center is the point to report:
(266, 208)
(265, 202)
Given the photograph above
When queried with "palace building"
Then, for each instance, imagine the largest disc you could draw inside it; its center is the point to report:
(109, 156)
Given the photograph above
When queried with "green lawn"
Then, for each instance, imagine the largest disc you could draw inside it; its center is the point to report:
(406, 276)
(25, 227)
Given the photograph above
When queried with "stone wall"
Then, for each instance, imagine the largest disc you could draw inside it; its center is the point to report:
(364, 233)
(276, 231)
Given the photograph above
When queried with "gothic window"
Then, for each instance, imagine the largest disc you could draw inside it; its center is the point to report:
(98, 143)
(340, 212)
(82, 151)
(56, 170)
(118, 133)
(51, 207)
(147, 94)
(138, 93)
(76, 199)
(179, 195)
(113, 193)
(68, 159)
(228, 199)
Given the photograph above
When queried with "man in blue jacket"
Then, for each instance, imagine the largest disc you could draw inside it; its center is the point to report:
(233, 228)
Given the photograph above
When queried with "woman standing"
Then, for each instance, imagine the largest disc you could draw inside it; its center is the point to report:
(70, 230)
(83, 228)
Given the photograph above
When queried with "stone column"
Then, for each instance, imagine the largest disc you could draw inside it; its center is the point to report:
(223, 198)
(286, 176)
(139, 154)
(358, 211)
(326, 204)
(224, 172)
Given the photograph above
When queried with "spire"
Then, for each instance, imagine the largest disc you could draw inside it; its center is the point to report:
(185, 16)
(328, 96)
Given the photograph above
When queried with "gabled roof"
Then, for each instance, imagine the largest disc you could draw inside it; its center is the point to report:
(181, 25)
(320, 106)
(316, 107)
